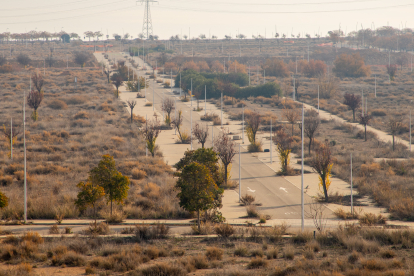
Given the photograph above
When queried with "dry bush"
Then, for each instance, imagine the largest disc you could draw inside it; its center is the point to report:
(289, 252)
(257, 253)
(252, 211)
(138, 174)
(157, 231)
(370, 219)
(54, 229)
(257, 262)
(224, 230)
(373, 264)
(57, 104)
(206, 228)
(272, 254)
(77, 99)
(70, 259)
(360, 245)
(163, 269)
(247, 200)
(214, 253)
(81, 115)
(97, 229)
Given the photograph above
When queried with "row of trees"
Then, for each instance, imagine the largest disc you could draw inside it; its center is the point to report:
(278, 68)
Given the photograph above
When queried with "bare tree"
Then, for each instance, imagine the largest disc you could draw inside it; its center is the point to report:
(253, 123)
(391, 71)
(117, 80)
(315, 213)
(177, 122)
(352, 101)
(225, 149)
(131, 105)
(401, 61)
(311, 122)
(37, 80)
(81, 58)
(364, 120)
(284, 146)
(23, 59)
(34, 99)
(151, 131)
(168, 106)
(11, 132)
(328, 87)
(322, 164)
(201, 134)
(395, 124)
(292, 115)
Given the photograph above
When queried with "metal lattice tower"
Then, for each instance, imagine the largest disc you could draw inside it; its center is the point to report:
(147, 25)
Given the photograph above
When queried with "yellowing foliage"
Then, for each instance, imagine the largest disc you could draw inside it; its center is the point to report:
(327, 180)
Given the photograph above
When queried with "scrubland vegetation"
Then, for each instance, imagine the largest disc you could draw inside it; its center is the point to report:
(236, 251)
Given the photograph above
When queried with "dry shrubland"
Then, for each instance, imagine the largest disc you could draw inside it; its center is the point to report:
(348, 250)
(76, 126)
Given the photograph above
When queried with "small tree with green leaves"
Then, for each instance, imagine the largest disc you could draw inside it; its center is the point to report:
(197, 190)
(106, 175)
(4, 201)
(89, 195)
(284, 147)
(253, 124)
(151, 131)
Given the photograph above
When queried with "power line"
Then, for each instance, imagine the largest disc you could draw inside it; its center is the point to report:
(69, 17)
(289, 4)
(62, 11)
(46, 6)
(282, 12)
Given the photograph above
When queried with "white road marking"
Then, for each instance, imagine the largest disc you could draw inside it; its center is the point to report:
(283, 189)
(250, 190)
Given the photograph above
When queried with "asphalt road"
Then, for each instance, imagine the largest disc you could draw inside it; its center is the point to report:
(278, 197)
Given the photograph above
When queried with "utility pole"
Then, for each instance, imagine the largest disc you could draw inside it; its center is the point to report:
(271, 140)
(318, 98)
(205, 100)
(243, 126)
(239, 172)
(221, 102)
(147, 25)
(11, 138)
(352, 196)
(375, 86)
(302, 195)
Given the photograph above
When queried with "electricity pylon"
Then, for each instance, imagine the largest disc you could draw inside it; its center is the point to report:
(147, 26)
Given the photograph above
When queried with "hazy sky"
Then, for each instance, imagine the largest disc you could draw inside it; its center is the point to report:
(217, 17)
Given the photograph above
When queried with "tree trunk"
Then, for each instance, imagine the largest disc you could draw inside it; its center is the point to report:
(225, 174)
(111, 207)
(198, 221)
(393, 143)
(202, 145)
(132, 114)
(117, 92)
(365, 133)
(292, 129)
(325, 191)
(353, 113)
(310, 143)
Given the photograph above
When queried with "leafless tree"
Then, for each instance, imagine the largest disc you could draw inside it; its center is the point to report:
(328, 87)
(201, 134)
(311, 122)
(168, 106)
(81, 58)
(395, 124)
(253, 123)
(391, 71)
(364, 120)
(151, 131)
(177, 122)
(401, 61)
(37, 80)
(352, 101)
(131, 105)
(34, 99)
(292, 115)
(225, 147)
(315, 213)
(322, 164)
